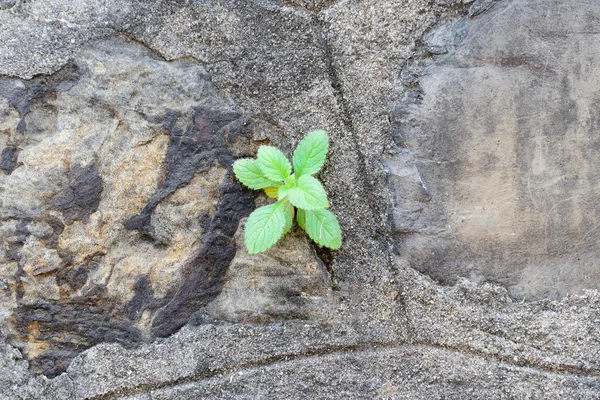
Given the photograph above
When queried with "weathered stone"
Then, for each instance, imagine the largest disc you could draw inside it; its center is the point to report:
(204, 272)
(406, 372)
(284, 73)
(114, 134)
(286, 282)
(502, 134)
(254, 71)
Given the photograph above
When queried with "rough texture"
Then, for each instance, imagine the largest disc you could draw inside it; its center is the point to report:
(288, 281)
(119, 123)
(93, 247)
(502, 131)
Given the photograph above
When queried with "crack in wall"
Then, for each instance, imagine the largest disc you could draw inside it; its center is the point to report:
(565, 370)
(348, 123)
(368, 189)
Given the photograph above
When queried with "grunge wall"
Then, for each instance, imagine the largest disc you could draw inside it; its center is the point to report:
(463, 169)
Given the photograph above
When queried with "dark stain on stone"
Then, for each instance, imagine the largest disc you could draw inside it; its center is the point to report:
(17, 241)
(190, 152)
(9, 158)
(204, 273)
(82, 196)
(58, 227)
(13, 253)
(205, 222)
(75, 276)
(69, 327)
(22, 227)
(21, 93)
(143, 299)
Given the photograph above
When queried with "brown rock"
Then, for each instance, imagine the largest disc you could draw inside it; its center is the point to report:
(286, 281)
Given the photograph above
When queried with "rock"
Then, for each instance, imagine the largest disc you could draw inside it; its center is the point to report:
(501, 133)
(121, 171)
(393, 373)
(288, 281)
(119, 260)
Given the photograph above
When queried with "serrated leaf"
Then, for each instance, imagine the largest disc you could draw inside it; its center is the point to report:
(323, 227)
(290, 181)
(310, 154)
(308, 194)
(265, 227)
(250, 174)
(301, 218)
(273, 163)
(289, 217)
(282, 192)
(272, 191)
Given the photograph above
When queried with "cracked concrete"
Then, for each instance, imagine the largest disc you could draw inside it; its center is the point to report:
(391, 332)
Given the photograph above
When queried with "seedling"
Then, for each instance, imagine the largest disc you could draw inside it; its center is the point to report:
(272, 172)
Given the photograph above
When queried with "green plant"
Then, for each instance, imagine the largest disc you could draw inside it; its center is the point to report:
(272, 171)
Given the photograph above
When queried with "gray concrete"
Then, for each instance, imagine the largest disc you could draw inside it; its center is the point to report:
(367, 321)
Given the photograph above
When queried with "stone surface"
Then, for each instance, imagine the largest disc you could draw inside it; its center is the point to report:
(475, 341)
(121, 173)
(408, 372)
(287, 281)
(119, 123)
(502, 132)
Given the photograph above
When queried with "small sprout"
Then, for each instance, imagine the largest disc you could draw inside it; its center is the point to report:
(272, 172)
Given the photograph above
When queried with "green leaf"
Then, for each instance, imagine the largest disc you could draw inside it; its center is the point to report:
(249, 173)
(289, 217)
(265, 227)
(310, 154)
(273, 163)
(290, 181)
(323, 228)
(308, 194)
(301, 218)
(283, 190)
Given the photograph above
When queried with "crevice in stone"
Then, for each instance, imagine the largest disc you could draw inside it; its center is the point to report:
(153, 52)
(568, 370)
(481, 6)
(368, 189)
(326, 256)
